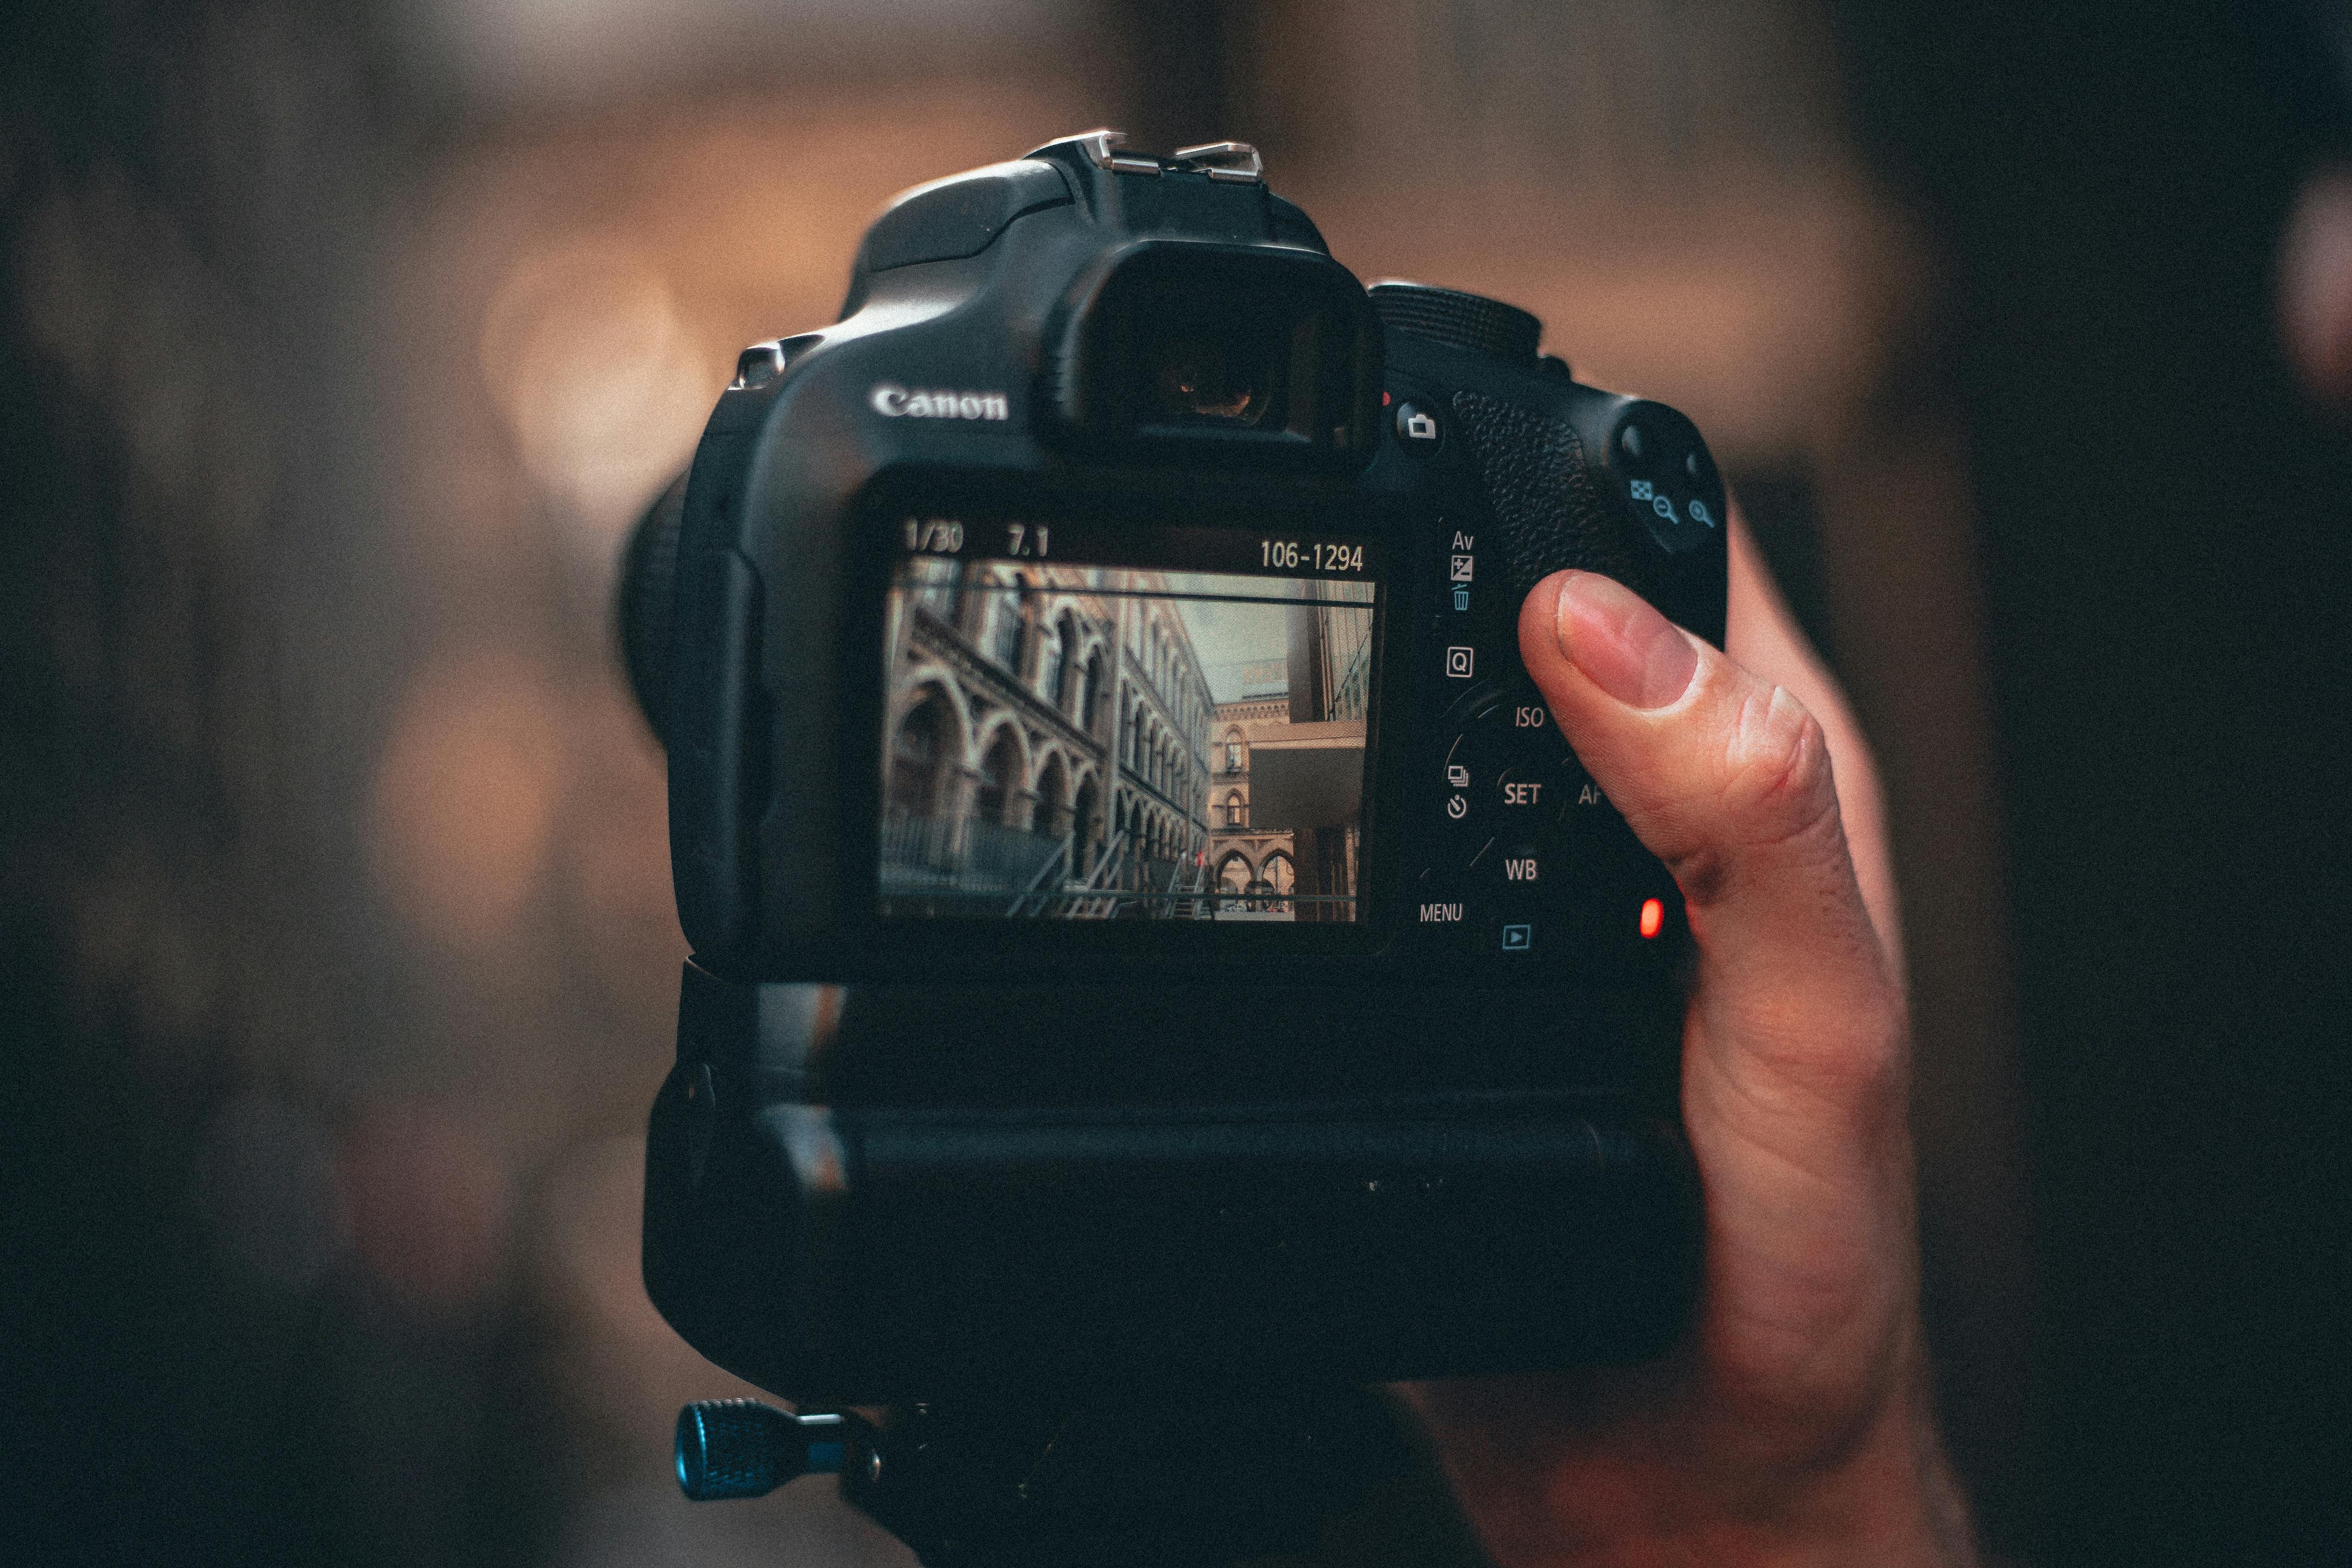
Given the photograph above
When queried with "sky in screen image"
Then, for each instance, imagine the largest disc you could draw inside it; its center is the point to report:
(1230, 636)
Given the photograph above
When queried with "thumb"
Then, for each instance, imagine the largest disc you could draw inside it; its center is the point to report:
(1727, 780)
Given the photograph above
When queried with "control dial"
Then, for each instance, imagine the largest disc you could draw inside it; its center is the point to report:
(1464, 320)
(1523, 852)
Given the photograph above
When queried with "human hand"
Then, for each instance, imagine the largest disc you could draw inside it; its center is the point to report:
(1793, 1424)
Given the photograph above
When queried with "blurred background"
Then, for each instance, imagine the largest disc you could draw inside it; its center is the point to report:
(339, 345)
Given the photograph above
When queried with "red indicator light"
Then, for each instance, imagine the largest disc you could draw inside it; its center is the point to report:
(1653, 916)
(1384, 400)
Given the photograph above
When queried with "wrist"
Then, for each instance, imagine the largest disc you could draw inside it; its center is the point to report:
(1892, 1501)
(1895, 1503)
(1889, 1506)
(1695, 1489)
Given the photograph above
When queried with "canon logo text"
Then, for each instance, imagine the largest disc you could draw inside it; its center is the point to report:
(898, 403)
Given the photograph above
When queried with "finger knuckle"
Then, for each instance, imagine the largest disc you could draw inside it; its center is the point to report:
(1778, 783)
(1872, 1061)
(1853, 1059)
(1865, 1064)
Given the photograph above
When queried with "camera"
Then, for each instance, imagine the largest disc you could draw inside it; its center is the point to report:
(1146, 927)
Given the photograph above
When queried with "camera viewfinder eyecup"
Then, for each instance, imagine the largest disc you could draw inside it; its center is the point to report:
(1266, 354)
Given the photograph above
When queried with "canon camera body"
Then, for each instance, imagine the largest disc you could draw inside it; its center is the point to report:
(1145, 923)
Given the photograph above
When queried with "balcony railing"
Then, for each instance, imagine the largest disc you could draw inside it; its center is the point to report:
(924, 855)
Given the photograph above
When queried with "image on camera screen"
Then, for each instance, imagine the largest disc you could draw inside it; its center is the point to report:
(1069, 742)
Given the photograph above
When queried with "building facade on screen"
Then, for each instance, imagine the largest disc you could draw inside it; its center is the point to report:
(1061, 742)
(1046, 748)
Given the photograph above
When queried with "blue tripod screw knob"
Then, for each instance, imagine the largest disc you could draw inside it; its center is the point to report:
(740, 1447)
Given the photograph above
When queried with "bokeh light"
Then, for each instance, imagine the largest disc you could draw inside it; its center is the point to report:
(596, 377)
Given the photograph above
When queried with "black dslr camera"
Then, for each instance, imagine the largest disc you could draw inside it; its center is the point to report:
(1148, 930)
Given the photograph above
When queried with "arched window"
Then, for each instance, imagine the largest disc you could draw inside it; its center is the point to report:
(1086, 830)
(1236, 810)
(1053, 820)
(1232, 750)
(1004, 629)
(1000, 779)
(939, 591)
(1091, 693)
(915, 752)
(1049, 661)
(1065, 658)
(1277, 876)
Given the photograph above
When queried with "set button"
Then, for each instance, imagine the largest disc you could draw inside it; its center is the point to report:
(1527, 789)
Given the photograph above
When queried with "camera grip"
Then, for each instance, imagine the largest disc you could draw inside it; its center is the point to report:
(1548, 513)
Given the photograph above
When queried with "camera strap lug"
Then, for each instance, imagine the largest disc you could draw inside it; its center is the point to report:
(1103, 151)
(1234, 161)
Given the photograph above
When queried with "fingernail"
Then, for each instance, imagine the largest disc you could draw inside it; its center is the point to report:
(1627, 648)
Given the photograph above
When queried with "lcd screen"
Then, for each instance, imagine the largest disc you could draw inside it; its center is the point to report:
(1177, 732)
